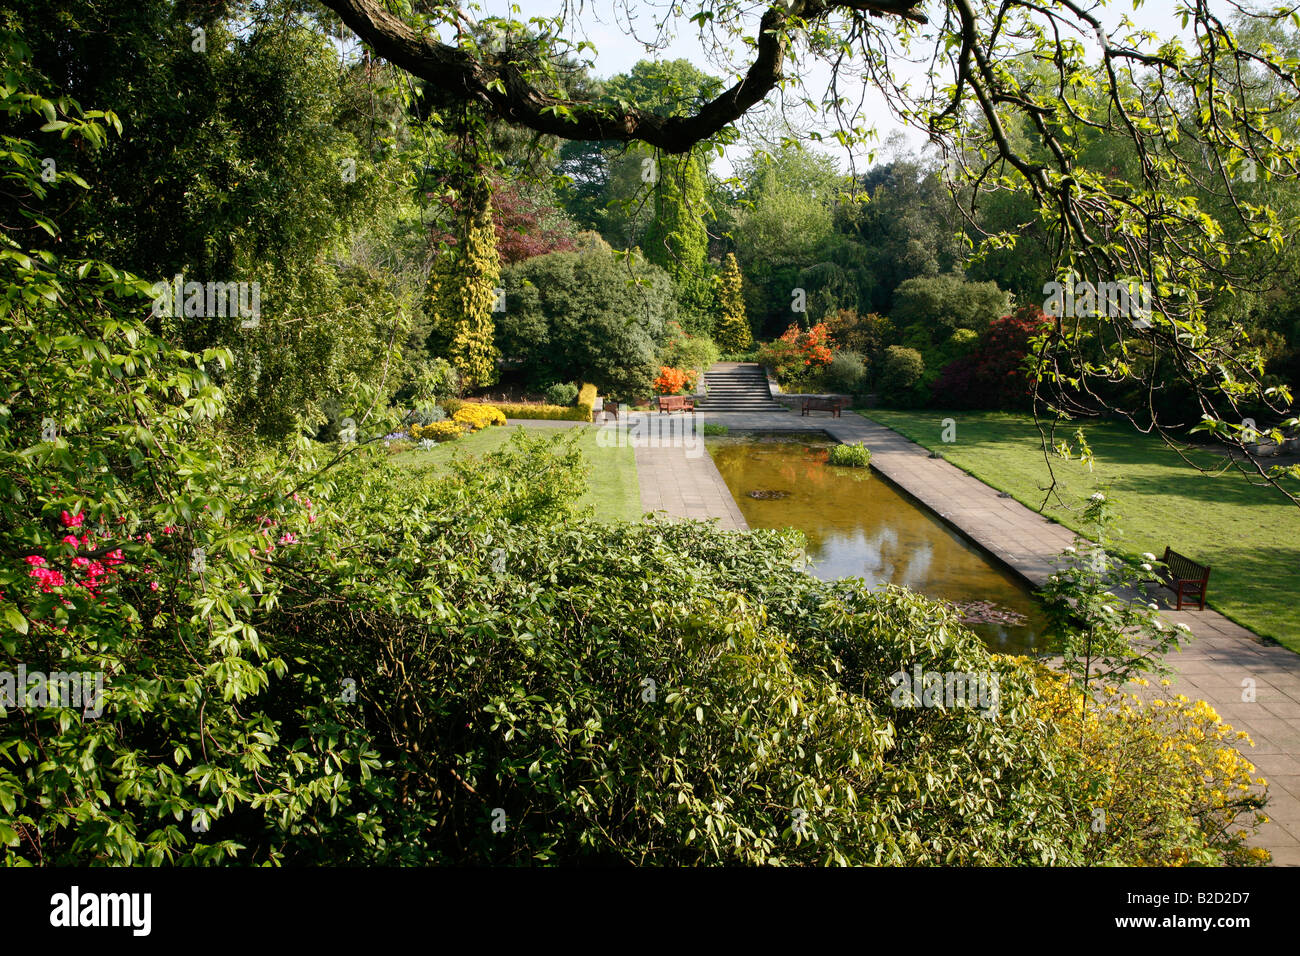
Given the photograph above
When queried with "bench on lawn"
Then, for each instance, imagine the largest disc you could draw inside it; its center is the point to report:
(832, 405)
(1185, 577)
(676, 403)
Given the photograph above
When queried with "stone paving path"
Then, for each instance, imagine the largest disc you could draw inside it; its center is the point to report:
(1215, 667)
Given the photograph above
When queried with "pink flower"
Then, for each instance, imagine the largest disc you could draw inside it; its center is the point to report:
(73, 521)
(35, 560)
(153, 585)
(288, 538)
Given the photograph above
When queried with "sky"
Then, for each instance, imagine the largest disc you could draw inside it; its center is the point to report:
(616, 27)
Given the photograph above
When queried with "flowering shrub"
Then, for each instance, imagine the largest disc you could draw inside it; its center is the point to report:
(438, 431)
(88, 573)
(478, 416)
(797, 354)
(672, 381)
(1160, 771)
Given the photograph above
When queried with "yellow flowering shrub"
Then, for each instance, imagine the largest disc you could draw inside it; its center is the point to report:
(1166, 783)
(438, 431)
(477, 416)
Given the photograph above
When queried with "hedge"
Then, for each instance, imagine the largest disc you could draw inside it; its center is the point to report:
(581, 412)
(587, 400)
(554, 413)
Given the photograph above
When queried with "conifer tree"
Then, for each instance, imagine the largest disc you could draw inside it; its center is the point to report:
(733, 333)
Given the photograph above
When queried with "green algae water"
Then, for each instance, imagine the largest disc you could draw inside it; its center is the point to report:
(859, 525)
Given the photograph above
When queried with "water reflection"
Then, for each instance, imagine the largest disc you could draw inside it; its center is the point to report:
(857, 524)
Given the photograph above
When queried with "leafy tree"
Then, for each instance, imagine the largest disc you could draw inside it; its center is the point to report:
(938, 305)
(675, 239)
(732, 333)
(996, 374)
(903, 221)
(591, 315)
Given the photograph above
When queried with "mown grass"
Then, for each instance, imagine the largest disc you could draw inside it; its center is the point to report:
(1248, 534)
(612, 491)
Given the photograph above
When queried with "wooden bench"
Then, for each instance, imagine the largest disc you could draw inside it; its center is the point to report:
(676, 403)
(832, 405)
(1185, 577)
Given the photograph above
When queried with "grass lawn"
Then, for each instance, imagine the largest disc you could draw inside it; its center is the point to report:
(612, 490)
(1250, 536)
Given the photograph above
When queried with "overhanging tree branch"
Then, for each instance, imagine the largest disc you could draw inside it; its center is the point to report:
(500, 86)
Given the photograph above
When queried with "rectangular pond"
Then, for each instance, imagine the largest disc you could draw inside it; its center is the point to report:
(857, 524)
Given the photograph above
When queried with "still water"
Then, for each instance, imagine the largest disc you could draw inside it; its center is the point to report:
(859, 525)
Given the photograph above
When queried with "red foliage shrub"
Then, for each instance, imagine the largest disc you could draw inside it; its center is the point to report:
(994, 375)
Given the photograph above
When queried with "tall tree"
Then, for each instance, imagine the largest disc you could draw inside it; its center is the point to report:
(733, 332)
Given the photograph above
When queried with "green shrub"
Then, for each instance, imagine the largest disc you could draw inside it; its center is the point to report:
(451, 406)
(852, 456)
(846, 373)
(900, 369)
(713, 428)
(685, 351)
(425, 415)
(561, 393)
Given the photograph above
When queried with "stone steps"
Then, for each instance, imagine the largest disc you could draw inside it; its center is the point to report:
(736, 387)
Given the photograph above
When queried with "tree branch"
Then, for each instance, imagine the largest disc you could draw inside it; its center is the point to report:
(501, 88)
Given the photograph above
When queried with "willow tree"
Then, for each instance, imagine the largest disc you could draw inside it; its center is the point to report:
(732, 333)
(1195, 106)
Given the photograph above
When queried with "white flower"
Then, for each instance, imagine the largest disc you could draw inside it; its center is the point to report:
(1146, 567)
(1183, 627)
(1098, 496)
(1070, 550)
(1148, 556)
(1159, 626)
(1154, 606)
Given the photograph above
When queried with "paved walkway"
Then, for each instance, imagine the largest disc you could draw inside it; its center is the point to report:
(1216, 667)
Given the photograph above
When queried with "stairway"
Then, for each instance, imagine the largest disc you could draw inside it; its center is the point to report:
(737, 387)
